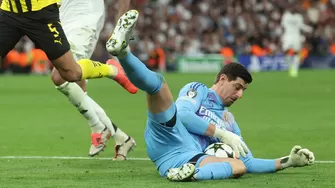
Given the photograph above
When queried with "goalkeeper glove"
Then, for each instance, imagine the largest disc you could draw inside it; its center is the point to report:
(233, 140)
(298, 157)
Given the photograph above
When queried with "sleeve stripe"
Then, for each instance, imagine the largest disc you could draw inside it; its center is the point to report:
(195, 86)
(200, 85)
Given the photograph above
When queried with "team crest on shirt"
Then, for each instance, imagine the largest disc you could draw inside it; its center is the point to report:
(228, 117)
(191, 93)
(225, 116)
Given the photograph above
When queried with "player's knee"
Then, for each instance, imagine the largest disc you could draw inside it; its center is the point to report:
(82, 84)
(70, 75)
(56, 78)
(239, 169)
(159, 84)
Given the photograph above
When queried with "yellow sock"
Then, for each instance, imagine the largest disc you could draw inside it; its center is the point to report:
(94, 69)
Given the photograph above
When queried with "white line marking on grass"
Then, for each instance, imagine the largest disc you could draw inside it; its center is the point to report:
(325, 162)
(68, 157)
(101, 158)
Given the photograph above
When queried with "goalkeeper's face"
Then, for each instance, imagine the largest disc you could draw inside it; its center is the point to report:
(230, 91)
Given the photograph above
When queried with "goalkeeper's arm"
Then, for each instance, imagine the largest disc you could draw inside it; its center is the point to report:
(188, 103)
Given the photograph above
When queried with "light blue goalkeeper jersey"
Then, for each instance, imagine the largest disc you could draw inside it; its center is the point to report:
(198, 106)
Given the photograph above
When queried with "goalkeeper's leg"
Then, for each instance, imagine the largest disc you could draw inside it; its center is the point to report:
(208, 168)
(159, 97)
(211, 167)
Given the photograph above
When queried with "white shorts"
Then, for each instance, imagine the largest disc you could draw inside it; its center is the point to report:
(296, 46)
(292, 42)
(82, 22)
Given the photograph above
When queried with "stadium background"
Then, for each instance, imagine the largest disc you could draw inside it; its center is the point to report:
(170, 31)
(44, 141)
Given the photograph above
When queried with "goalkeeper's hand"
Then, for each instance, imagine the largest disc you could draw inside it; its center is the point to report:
(233, 140)
(299, 157)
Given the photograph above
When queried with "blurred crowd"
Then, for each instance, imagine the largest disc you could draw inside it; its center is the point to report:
(169, 28)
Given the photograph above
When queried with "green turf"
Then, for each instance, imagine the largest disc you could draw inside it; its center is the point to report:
(276, 112)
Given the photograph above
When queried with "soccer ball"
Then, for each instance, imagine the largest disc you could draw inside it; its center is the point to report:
(220, 150)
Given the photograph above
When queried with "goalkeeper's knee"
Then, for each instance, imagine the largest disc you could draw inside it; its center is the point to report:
(221, 170)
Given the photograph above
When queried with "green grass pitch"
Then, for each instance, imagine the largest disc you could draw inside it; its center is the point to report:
(275, 113)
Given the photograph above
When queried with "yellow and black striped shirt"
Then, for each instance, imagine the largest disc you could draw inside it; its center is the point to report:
(22, 6)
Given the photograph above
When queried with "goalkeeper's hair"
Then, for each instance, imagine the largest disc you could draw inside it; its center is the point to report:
(233, 71)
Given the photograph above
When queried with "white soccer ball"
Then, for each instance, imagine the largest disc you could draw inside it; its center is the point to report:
(220, 150)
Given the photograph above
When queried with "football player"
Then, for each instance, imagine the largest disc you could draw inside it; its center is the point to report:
(170, 146)
(82, 21)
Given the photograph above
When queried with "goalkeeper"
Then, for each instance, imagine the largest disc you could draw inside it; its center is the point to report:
(203, 112)
(170, 146)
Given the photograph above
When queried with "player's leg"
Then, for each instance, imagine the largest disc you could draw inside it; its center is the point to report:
(9, 34)
(295, 59)
(83, 37)
(96, 17)
(208, 168)
(97, 119)
(81, 40)
(123, 142)
(291, 48)
(231, 168)
(159, 97)
(163, 142)
(167, 140)
(48, 34)
(211, 167)
(286, 46)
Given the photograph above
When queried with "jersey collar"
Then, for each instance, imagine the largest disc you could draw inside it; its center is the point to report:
(217, 97)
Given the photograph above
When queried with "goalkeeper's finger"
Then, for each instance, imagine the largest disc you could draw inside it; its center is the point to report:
(302, 152)
(236, 151)
(305, 152)
(245, 147)
(311, 157)
(296, 149)
(241, 150)
(306, 156)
